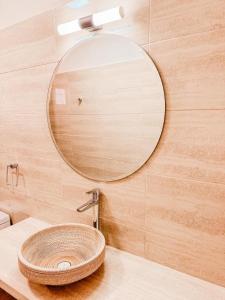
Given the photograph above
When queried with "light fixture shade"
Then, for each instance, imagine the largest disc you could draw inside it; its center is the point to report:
(108, 16)
(93, 21)
(69, 27)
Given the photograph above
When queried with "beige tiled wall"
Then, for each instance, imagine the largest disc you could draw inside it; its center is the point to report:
(172, 210)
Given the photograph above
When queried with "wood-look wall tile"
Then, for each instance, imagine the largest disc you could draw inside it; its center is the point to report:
(192, 146)
(59, 214)
(71, 178)
(13, 205)
(16, 133)
(39, 207)
(118, 207)
(194, 253)
(123, 237)
(174, 18)
(192, 204)
(185, 226)
(190, 67)
(29, 43)
(14, 12)
(41, 179)
(123, 201)
(1, 91)
(10, 197)
(26, 91)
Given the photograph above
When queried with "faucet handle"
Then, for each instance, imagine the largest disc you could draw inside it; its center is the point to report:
(86, 206)
(94, 191)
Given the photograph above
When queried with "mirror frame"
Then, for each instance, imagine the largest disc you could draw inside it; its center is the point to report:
(78, 44)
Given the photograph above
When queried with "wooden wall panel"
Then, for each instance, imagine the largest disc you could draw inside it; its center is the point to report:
(13, 12)
(192, 146)
(186, 221)
(175, 18)
(124, 237)
(19, 94)
(29, 43)
(171, 210)
(190, 66)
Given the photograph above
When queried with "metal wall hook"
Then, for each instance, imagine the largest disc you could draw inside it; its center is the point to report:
(12, 167)
(80, 100)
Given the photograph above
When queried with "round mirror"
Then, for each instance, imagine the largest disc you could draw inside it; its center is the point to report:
(106, 107)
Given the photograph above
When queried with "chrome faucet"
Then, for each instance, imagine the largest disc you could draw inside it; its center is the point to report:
(94, 203)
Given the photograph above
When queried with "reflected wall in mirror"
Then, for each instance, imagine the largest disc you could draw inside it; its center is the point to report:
(106, 107)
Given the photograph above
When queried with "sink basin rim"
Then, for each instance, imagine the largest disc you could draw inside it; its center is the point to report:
(52, 271)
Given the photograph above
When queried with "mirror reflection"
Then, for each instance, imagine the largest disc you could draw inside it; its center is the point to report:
(106, 107)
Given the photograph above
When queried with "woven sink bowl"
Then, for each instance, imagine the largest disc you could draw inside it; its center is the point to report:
(62, 254)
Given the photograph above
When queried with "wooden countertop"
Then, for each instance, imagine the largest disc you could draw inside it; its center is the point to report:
(123, 276)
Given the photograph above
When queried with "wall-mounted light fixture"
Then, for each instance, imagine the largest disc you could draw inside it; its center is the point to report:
(92, 22)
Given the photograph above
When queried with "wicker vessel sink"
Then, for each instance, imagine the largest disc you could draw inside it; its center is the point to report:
(62, 254)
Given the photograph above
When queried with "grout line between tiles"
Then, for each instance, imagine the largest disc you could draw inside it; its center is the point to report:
(27, 68)
(186, 36)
